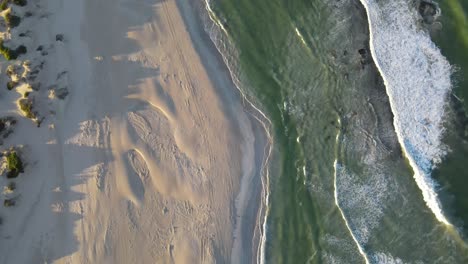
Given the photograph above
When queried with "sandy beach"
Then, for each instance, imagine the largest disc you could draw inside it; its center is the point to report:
(150, 157)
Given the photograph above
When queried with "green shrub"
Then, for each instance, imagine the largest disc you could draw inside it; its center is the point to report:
(12, 20)
(7, 53)
(6, 123)
(26, 106)
(11, 186)
(11, 85)
(9, 202)
(20, 2)
(12, 69)
(14, 165)
(4, 5)
(10, 54)
(21, 50)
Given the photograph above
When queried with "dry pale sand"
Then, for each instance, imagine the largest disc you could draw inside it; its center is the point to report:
(150, 159)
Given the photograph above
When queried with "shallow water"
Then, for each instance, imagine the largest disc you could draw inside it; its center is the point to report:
(341, 190)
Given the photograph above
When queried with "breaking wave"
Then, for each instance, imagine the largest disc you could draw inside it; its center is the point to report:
(417, 80)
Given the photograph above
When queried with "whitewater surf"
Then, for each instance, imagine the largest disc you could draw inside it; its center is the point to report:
(417, 80)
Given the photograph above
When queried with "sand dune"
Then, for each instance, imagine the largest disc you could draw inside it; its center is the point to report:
(148, 154)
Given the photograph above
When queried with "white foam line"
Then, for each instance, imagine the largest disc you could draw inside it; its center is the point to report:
(266, 124)
(266, 197)
(361, 250)
(430, 146)
(335, 167)
(299, 35)
(213, 17)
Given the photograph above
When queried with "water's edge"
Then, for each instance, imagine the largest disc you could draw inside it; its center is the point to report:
(417, 161)
(220, 39)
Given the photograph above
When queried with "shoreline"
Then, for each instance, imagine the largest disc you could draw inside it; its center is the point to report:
(156, 158)
(252, 238)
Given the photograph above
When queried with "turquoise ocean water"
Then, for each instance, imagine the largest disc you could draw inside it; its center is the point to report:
(369, 125)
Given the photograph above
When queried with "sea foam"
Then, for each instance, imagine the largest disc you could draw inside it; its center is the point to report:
(417, 80)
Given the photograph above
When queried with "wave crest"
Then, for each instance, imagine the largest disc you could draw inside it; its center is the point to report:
(417, 80)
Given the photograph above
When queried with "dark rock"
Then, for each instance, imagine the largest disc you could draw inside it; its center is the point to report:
(32, 75)
(12, 20)
(40, 48)
(59, 37)
(21, 50)
(365, 57)
(6, 123)
(61, 93)
(60, 75)
(6, 126)
(39, 122)
(429, 11)
(11, 186)
(427, 8)
(11, 85)
(9, 202)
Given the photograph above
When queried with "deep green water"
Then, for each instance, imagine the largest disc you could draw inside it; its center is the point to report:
(453, 173)
(299, 61)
